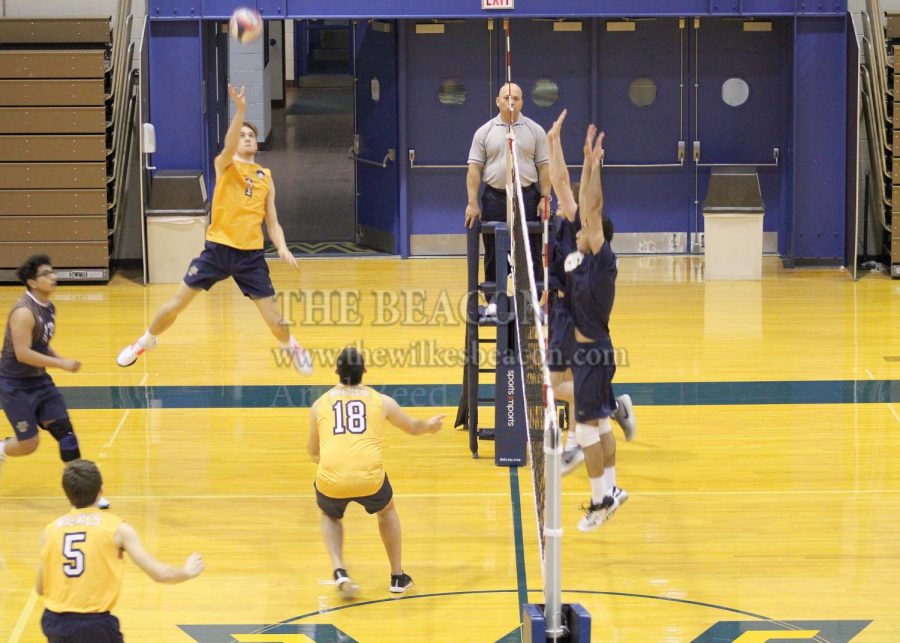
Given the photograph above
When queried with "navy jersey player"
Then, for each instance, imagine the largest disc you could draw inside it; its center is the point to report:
(590, 281)
(562, 342)
(29, 396)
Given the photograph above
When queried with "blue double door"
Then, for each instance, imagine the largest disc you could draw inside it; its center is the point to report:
(676, 97)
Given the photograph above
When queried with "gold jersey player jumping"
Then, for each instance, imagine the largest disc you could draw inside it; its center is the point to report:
(244, 197)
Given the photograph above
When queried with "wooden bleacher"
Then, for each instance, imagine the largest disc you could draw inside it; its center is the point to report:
(63, 99)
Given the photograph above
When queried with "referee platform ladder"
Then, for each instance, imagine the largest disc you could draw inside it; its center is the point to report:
(504, 394)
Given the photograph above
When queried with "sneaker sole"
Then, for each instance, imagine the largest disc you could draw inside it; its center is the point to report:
(588, 528)
(348, 590)
(629, 434)
(399, 590)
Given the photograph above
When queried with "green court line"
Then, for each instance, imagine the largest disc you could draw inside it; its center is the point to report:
(430, 395)
(521, 579)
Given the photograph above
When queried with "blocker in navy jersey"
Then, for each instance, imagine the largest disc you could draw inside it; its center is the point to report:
(561, 342)
(562, 244)
(591, 291)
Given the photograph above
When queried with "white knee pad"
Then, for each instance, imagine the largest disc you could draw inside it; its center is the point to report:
(588, 434)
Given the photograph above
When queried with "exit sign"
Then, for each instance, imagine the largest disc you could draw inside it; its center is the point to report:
(498, 4)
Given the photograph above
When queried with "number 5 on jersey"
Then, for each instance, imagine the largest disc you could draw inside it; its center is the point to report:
(351, 417)
(73, 567)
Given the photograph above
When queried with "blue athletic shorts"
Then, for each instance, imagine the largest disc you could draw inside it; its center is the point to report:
(593, 368)
(217, 262)
(335, 507)
(561, 344)
(31, 402)
(70, 627)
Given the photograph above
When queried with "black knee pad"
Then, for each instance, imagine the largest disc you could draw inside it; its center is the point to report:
(63, 432)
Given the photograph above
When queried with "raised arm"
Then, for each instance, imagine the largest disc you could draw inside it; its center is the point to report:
(276, 234)
(559, 173)
(233, 135)
(586, 164)
(21, 326)
(592, 212)
(402, 421)
(127, 538)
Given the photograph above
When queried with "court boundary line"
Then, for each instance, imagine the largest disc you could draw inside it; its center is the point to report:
(118, 428)
(24, 617)
(685, 601)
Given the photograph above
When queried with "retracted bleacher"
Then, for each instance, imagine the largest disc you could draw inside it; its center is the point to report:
(63, 107)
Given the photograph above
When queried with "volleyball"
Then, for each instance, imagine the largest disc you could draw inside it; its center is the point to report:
(245, 26)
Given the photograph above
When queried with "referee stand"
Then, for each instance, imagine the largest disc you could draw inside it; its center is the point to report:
(508, 398)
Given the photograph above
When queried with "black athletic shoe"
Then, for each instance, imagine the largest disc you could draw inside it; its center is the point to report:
(400, 582)
(346, 587)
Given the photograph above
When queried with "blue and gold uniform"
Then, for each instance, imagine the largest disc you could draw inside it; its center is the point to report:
(234, 240)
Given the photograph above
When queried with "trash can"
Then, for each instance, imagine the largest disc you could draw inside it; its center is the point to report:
(177, 218)
(733, 221)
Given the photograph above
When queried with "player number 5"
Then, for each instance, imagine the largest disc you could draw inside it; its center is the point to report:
(74, 565)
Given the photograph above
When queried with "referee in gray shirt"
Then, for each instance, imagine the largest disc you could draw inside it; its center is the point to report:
(487, 162)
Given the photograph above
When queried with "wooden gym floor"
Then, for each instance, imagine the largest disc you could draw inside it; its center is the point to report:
(765, 491)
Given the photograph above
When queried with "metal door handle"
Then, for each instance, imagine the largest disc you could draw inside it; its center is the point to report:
(680, 163)
(412, 164)
(391, 155)
(776, 154)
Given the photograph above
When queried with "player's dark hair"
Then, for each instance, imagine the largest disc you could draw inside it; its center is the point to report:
(251, 126)
(82, 483)
(29, 269)
(350, 366)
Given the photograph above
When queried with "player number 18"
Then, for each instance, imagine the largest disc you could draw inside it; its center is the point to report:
(350, 417)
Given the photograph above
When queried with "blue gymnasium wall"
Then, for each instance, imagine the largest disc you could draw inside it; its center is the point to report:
(815, 164)
(176, 94)
(819, 127)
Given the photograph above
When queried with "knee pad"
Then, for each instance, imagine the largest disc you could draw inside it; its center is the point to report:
(587, 435)
(63, 432)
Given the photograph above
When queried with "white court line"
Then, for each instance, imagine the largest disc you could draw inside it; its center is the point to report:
(115, 434)
(890, 406)
(894, 411)
(23, 617)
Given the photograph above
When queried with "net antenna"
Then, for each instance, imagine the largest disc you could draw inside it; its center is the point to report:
(544, 439)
